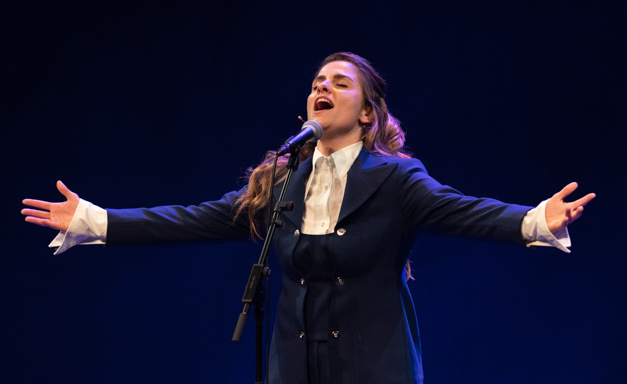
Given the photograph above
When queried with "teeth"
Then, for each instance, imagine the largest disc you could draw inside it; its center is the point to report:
(320, 100)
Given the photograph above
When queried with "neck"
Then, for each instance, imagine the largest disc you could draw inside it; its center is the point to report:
(328, 147)
(331, 142)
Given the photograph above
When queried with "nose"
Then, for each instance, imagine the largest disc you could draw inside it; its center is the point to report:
(324, 86)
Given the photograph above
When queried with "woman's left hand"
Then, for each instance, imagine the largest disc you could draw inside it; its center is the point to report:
(559, 213)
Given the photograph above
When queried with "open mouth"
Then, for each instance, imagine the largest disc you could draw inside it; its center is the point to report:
(322, 104)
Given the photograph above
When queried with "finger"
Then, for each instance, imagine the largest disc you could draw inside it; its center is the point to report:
(584, 200)
(567, 190)
(37, 204)
(578, 213)
(43, 222)
(65, 191)
(570, 212)
(36, 213)
(575, 214)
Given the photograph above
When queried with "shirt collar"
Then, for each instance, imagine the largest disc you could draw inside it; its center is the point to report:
(342, 158)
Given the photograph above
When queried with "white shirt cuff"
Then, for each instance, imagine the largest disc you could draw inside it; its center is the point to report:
(88, 226)
(536, 232)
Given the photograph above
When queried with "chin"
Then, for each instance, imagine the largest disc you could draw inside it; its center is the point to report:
(320, 121)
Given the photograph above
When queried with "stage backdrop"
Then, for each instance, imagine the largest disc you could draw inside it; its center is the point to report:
(142, 104)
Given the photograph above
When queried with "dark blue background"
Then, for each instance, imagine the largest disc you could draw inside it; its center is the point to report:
(135, 104)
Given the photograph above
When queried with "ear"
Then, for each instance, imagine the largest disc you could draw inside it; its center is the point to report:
(366, 117)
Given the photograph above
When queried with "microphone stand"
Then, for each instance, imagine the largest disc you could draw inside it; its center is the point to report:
(254, 294)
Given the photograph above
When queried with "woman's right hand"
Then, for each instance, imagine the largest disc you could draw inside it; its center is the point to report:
(52, 215)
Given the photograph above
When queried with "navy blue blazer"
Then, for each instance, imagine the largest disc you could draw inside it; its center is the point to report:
(388, 202)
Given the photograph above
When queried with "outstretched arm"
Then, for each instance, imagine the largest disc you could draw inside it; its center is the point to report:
(560, 213)
(53, 215)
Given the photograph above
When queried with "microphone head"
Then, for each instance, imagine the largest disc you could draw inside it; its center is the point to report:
(315, 127)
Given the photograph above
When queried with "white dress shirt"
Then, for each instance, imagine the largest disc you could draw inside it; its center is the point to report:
(323, 198)
(325, 189)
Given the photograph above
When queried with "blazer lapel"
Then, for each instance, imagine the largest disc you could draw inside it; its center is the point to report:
(364, 177)
(295, 193)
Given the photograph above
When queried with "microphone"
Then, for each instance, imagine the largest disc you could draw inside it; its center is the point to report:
(311, 131)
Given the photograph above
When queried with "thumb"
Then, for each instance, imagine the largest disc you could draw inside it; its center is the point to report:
(65, 191)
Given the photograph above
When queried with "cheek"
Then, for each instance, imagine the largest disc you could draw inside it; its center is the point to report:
(310, 101)
(358, 104)
(310, 108)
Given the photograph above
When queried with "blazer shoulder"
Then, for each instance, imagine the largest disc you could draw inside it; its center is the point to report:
(409, 166)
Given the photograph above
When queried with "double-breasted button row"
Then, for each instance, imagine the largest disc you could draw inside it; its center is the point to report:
(339, 232)
(335, 334)
(338, 280)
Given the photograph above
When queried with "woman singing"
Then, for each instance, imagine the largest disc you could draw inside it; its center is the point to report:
(345, 314)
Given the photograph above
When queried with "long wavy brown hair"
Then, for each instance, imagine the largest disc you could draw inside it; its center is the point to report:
(383, 136)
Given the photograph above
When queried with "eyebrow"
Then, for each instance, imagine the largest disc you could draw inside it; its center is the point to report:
(337, 76)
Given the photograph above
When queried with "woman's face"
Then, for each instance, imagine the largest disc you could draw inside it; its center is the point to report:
(336, 102)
